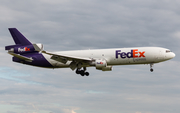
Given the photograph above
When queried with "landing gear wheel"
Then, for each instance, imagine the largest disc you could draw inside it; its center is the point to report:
(86, 73)
(82, 72)
(151, 65)
(77, 71)
(151, 70)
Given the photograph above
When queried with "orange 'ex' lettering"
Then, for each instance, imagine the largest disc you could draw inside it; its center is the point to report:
(27, 49)
(141, 54)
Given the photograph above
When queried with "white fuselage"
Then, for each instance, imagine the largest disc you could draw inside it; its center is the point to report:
(118, 56)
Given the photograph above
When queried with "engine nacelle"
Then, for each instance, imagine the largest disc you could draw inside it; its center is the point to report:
(102, 65)
(107, 68)
(38, 47)
(23, 49)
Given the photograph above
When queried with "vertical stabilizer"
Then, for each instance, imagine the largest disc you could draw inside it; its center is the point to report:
(19, 39)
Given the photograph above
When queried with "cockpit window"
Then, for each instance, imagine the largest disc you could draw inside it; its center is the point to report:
(167, 51)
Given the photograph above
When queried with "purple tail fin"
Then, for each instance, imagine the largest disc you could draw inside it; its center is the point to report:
(19, 39)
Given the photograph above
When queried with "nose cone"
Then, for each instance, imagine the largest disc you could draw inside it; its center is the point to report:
(173, 55)
(170, 56)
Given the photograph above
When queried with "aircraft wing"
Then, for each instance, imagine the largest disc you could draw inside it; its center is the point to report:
(61, 57)
(21, 57)
(76, 61)
(64, 58)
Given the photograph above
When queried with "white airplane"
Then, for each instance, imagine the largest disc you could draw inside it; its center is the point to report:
(102, 59)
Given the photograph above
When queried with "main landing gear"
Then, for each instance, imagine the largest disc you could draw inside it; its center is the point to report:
(151, 65)
(82, 72)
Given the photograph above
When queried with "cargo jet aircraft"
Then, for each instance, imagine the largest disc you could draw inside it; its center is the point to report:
(102, 59)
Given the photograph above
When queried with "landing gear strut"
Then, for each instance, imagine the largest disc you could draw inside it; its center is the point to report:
(82, 72)
(151, 65)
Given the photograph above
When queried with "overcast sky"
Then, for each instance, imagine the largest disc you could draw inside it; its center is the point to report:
(91, 24)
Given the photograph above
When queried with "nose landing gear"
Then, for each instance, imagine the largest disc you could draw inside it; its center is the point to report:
(151, 65)
(151, 70)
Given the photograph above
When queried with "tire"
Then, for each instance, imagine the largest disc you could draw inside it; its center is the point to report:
(151, 70)
(82, 73)
(86, 73)
(77, 71)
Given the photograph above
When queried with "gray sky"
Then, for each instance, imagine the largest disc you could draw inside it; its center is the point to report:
(90, 24)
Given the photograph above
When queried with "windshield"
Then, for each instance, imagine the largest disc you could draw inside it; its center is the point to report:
(167, 51)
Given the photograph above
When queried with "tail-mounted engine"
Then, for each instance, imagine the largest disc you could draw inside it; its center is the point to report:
(23, 49)
(102, 65)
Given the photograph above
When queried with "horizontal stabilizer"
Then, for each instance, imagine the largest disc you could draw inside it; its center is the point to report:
(21, 57)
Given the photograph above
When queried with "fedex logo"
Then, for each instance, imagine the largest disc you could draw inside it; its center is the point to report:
(99, 62)
(24, 49)
(133, 54)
